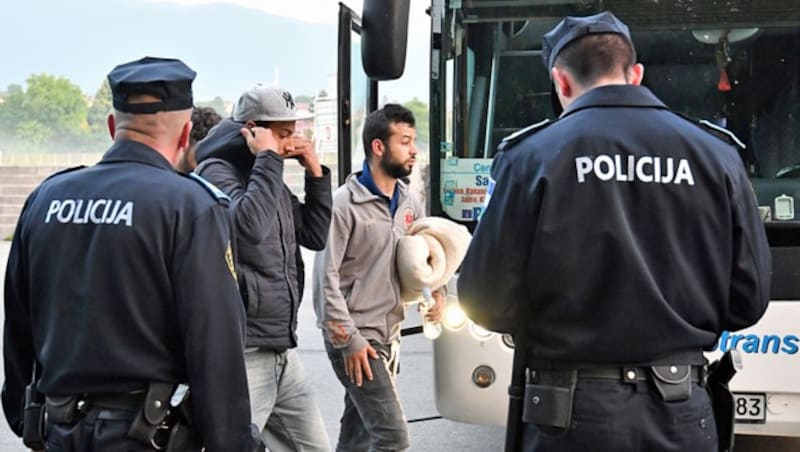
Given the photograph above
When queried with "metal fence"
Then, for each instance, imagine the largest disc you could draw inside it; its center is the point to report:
(51, 159)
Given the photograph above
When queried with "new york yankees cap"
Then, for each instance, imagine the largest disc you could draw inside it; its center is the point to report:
(267, 103)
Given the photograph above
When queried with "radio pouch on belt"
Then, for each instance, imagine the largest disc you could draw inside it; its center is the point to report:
(148, 427)
(62, 409)
(33, 420)
(549, 401)
(674, 383)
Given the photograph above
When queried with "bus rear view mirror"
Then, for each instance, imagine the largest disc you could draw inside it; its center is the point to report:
(383, 38)
(730, 36)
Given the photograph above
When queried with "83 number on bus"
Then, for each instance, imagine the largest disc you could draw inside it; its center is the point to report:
(750, 408)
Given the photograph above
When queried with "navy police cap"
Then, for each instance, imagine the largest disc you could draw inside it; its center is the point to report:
(572, 28)
(167, 79)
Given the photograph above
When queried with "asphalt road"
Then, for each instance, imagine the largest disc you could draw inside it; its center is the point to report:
(415, 385)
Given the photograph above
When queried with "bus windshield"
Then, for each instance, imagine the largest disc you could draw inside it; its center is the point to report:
(726, 64)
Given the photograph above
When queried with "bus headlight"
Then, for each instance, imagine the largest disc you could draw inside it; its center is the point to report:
(508, 340)
(454, 317)
(483, 376)
(480, 333)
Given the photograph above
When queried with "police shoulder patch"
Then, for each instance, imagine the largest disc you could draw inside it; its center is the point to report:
(211, 188)
(229, 261)
(517, 136)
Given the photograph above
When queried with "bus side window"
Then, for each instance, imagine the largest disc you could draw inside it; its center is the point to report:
(521, 100)
(773, 95)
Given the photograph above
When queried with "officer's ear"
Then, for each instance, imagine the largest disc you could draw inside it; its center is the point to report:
(636, 74)
(186, 134)
(112, 125)
(563, 83)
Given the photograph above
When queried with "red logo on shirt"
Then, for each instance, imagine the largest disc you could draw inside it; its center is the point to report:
(408, 217)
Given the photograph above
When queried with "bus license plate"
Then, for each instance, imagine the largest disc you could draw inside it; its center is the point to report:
(750, 408)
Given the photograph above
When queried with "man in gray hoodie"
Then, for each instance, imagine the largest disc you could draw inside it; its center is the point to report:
(356, 285)
(244, 157)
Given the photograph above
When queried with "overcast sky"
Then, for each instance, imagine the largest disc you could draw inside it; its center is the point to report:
(319, 11)
(232, 44)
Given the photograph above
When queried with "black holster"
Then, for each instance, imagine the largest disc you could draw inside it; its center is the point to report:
(548, 400)
(673, 383)
(62, 409)
(720, 374)
(33, 420)
(162, 426)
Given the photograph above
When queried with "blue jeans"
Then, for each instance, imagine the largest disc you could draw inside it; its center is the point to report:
(373, 419)
(614, 416)
(282, 403)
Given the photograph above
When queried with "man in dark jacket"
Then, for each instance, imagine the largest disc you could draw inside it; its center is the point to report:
(244, 157)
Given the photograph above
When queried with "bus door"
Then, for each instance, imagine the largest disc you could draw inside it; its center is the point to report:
(357, 94)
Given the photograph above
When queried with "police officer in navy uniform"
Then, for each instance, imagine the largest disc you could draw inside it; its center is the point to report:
(628, 238)
(120, 284)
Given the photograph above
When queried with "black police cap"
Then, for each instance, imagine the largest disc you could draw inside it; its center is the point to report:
(572, 28)
(167, 79)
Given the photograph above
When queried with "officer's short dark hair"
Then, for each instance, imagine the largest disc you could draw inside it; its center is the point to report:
(203, 119)
(377, 125)
(595, 55)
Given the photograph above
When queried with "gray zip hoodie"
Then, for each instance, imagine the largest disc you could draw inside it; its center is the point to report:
(356, 286)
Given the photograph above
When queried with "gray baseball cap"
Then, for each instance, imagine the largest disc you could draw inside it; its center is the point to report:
(267, 103)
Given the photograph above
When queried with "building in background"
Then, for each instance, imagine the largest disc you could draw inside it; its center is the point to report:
(325, 130)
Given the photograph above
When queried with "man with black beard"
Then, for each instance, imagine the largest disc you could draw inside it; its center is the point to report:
(356, 286)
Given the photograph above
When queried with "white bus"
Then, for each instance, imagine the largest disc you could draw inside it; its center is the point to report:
(733, 63)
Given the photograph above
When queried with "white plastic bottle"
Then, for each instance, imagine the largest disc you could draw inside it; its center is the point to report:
(431, 330)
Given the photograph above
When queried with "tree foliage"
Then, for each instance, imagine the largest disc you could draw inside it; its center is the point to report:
(32, 133)
(51, 106)
(10, 108)
(56, 103)
(51, 114)
(99, 109)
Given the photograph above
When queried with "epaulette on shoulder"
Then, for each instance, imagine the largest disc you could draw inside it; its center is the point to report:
(218, 194)
(719, 132)
(517, 136)
(65, 171)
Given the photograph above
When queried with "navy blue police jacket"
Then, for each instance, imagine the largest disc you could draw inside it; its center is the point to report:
(120, 274)
(622, 232)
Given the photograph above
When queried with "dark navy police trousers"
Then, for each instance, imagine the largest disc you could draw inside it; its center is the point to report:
(100, 430)
(618, 417)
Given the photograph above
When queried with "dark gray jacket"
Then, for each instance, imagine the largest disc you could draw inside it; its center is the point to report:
(271, 224)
